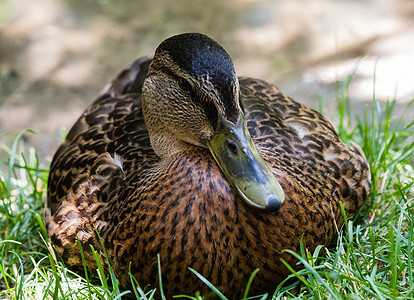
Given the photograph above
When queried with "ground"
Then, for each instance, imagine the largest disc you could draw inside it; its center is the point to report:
(55, 56)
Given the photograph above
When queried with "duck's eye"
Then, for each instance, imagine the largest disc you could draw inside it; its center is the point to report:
(184, 85)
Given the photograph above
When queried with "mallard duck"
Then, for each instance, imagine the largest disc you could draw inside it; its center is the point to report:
(180, 157)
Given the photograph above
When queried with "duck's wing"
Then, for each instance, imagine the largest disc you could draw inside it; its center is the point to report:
(129, 81)
(301, 144)
(109, 133)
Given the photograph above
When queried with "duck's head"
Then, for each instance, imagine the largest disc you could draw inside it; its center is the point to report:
(191, 97)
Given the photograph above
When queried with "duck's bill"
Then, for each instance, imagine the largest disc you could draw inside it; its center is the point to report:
(233, 149)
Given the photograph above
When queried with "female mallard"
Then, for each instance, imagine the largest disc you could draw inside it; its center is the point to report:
(167, 162)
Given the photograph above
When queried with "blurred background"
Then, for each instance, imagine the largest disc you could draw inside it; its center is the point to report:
(56, 55)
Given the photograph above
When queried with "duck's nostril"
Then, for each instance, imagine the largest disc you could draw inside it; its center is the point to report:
(231, 145)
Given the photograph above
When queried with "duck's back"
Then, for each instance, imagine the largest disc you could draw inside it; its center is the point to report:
(107, 142)
(298, 141)
(112, 125)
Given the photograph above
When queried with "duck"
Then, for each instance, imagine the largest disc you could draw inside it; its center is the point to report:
(182, 163)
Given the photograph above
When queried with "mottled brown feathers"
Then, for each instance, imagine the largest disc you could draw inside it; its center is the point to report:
(107, 176)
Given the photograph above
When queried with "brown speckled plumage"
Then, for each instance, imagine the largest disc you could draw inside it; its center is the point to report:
(107, 176)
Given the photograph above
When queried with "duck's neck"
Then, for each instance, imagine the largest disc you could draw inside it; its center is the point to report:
(164, 143)
(166, 146)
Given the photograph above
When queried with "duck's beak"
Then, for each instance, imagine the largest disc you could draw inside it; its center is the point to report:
(233, 149)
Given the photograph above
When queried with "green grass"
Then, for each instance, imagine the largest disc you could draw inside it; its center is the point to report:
(373, 257)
